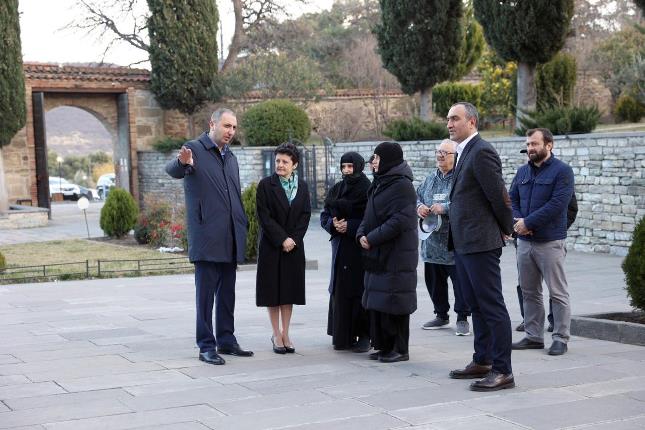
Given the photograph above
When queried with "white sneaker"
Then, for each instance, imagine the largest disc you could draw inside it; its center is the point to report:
(463, 328)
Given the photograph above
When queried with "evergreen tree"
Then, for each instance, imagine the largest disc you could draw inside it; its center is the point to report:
(12, 84)
(472, 44)
(529, 32)
(641, 5)
(419, 42)
(183, 53)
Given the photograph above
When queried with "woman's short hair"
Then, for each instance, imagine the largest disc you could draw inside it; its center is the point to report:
(288, 149)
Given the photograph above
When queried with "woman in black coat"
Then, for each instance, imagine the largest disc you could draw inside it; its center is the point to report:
(388, 235)
(284, 211)
(348, 321)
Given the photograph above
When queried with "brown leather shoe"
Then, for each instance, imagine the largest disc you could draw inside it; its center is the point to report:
(471, 371)
(494, 381)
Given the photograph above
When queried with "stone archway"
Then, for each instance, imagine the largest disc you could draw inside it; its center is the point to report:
(113, 95)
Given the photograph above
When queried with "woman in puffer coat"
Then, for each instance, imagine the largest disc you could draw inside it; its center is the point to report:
(388, 236)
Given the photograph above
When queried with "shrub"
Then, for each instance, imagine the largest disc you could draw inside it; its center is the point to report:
(3, 263)
(628, 109)
(562, 120)
(252, 236)
(447, 94)
(415, 129)
(168, 144)
(634, 267)
(154, 226)
(555, 81)
(119, 214)
(273, 122)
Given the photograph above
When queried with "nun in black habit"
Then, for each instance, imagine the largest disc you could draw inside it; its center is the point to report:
(348, 321)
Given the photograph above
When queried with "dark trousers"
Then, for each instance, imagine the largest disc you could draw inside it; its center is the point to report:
(481, 284)
(436, 276)
(215, 282)
(390, 332)
(520, 298)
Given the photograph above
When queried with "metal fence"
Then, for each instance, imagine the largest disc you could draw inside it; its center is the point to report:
(94, 269)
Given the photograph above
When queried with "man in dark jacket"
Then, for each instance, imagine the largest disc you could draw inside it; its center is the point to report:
(540, 195)
(216, 231)
(480, 217)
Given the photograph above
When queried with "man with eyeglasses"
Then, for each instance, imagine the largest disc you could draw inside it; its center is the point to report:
(438, 261)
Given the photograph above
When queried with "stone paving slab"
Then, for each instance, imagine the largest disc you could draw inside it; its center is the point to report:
(120, 354)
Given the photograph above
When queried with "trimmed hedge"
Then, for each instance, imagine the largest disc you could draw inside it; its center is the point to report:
(252, 235)
(168, 144)
(447, 94)
(634, 267)
(273, 122)
(562, 120)
(119, 214)
(415, 129)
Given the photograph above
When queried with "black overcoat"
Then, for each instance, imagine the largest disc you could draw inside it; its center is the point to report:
(281, 275)
(215, 216)
(390, 224)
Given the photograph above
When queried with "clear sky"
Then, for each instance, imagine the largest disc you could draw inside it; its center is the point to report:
(45, 40)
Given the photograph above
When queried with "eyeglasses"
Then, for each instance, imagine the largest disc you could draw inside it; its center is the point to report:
(442, 152)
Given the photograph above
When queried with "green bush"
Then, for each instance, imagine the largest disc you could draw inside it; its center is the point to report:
(446, 94)
(628, 109)
(562, 120)
(415, 129)
(555, 81)
(119, 214)
(252, 236)
(168, 144)
(273, 122)
(634, 267)
(3, 263)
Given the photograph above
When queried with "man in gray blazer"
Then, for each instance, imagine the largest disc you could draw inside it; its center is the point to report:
(217, 228)
(480, 217)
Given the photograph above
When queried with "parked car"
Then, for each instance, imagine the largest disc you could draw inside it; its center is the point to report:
(104, 184)
(58, 185)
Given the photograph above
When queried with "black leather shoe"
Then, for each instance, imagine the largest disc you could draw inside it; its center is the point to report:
(550, 328)
(527, 344)
(374, 355)
(471, 371)
(363, 345)
(393, 357)
(494, 381)
(558, 348)
(234, 350)
(520, 327)
(211, 357)
(278, 349)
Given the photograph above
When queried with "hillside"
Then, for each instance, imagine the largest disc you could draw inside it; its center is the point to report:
(73, 131)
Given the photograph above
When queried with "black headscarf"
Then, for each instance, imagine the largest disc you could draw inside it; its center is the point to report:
(348, 198)
(390, 154)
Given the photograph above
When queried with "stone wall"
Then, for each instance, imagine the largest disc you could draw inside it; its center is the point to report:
(608, 168)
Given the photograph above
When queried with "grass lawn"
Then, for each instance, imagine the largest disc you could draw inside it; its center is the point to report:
(76, 258)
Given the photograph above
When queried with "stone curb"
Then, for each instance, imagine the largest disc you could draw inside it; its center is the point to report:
(595, 327)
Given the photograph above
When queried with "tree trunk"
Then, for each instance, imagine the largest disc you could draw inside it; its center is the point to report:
(425, 104)
(238, 34)
(526, 91)
(4, 196)
(191, 127)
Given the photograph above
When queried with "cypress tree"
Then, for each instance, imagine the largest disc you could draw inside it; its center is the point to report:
(12, 80)
(183, 53)
(419, 42)
(529, 32)
(472, 44)
(12, 85)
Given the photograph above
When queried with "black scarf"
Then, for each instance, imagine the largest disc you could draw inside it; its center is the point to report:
(348, 198)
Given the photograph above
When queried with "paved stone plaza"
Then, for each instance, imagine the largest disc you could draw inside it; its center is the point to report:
(120, 353)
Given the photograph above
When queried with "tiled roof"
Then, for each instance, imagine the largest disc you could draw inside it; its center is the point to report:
(84, 73)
